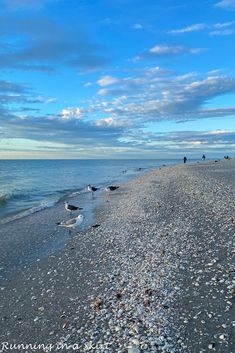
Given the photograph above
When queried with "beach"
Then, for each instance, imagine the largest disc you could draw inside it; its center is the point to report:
(156, 275)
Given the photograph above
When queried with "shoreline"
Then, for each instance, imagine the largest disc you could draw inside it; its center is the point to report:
(11, 207)
(39, 235)
(48, 238)
(132, 283)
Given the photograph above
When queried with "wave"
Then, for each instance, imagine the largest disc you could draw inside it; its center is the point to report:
(17, 204)
(4, 199)
(43, 205)
(50, 200)
(60, 194)
(23, 213)
(69, 193)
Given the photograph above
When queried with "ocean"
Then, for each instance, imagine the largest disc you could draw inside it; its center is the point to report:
(28, 186)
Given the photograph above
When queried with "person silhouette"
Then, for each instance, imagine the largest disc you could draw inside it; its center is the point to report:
(185, 159)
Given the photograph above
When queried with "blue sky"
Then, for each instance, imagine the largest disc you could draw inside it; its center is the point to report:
(117, 78)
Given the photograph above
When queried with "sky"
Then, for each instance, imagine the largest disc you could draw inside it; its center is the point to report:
(117, 78)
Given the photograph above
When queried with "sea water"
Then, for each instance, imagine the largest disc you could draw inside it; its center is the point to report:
(27, 186)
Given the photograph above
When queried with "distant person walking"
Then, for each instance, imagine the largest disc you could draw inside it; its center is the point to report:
(185, 159)
(203, 157)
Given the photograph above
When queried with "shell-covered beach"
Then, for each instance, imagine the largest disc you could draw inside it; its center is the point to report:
(156, 275)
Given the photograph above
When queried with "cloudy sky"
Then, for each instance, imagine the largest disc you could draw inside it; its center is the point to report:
(117, 78)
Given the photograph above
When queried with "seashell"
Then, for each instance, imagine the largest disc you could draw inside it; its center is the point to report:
(232, 220)
(66, 324)
(148, 291)
(146, 302)
(133, 349)
(118, 295)
(211, 345)
(223, 337)
(97, 304)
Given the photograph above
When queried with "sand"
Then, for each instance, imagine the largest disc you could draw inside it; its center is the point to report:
(156, 276)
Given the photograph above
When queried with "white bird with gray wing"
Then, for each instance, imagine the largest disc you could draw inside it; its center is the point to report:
(72, 223)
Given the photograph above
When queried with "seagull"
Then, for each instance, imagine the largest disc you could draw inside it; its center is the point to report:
(111, 188)
(72, 223)
(71, 208)
(92, 189)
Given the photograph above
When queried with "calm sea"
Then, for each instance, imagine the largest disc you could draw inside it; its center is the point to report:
(27, 186)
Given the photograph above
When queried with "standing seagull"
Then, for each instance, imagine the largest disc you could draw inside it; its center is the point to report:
(72, 223)
(71, 208)
(111, 188)
(92, 189)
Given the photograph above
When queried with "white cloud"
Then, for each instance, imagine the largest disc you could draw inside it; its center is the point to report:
(216, 29)
(107, 80)
(103, 92)
(196, 50)
(171, 50)
(51, 100)
(217, 132)
(221, 29)
(192, 28)
(156, 70)
(223, 24)
(224, 32)
(137, 26)
(87, 84)
(177, 98)
(226, 4)
(71, 113)
(113, 122)
(119, 100)
(148, 98)
(187, 139)
(166, 50)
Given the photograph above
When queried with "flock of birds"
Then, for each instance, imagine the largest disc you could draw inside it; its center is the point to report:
(108, 188)
(73, 223)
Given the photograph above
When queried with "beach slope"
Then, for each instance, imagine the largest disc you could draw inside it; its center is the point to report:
(157, 275)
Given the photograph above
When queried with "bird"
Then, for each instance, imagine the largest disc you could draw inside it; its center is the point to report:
(92, 189)
(111, 188)
(71, 223)
(71, 208)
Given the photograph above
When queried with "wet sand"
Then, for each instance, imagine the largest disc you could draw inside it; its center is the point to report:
(36, 236)
(156, 276)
